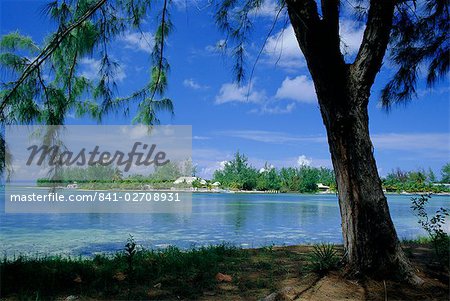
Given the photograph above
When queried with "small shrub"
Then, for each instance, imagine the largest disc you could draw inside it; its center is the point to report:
(323, 258)
(130, 252)
(434, 226)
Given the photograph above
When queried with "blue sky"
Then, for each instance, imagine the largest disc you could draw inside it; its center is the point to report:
(279, 122)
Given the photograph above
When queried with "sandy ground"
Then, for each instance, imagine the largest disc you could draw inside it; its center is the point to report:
(334, 286)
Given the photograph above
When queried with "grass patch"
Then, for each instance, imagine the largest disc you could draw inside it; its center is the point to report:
(421, 240)
(167, 274)
(180, 273)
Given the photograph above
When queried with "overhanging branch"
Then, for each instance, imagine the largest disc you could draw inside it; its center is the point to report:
(47, 51)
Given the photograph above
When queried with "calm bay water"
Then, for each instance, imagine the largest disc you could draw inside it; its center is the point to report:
(247, 220)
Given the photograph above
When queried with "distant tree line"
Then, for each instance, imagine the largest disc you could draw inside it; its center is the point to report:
(417, 181)
(238, 174)
(108, 176)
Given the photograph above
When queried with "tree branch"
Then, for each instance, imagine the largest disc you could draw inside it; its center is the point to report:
(319, 44)
(374, 44)
(330, 13)
(161, 51)
(263, 46)
(51, 47)
(303, 13)
(71, 72)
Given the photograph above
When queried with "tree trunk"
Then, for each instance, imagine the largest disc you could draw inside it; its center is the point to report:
(343, 90)
(370, 240)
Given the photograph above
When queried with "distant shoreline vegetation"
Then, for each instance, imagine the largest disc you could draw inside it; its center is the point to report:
(238, 175)
(417, 181)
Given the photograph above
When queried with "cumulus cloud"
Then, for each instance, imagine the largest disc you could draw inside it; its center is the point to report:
(222, 164)
(266, 168)
(304, 161)
(351, 34)
(270, 109)
(207, 171)
(220, 45)
(138, 41)
(192, 84)
(300, 89)
(231, 92)
(269, 8)
(91, 67)
(282, 49)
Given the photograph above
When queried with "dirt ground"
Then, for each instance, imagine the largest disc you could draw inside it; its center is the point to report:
(295, 285)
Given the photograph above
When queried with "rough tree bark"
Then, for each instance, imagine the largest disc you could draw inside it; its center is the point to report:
(343, 91)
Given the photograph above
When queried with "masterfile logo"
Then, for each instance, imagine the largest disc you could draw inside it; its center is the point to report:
(99, 169)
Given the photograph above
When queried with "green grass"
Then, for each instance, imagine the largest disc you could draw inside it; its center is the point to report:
(421, 240)
(180, 273)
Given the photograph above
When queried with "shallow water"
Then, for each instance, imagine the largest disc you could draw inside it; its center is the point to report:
(247, 220)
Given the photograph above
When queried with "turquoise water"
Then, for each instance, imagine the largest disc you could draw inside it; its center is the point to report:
(247, 220)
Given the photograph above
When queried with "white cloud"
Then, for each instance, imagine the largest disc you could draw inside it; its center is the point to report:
(191, 83)
(231, 92)
(207, 171)
(200, 5)
(413, 141)
(136, 132)
(200, 138)
(272, 137)
(138, 41)
(274, 110)
(266, 168)
(300, 89)
(304, 161)
(269, 8)
(220, 45)
(209, 160)
(282, 49)
(222, 164)
(351, 34)
(418, 142)
(91, 68)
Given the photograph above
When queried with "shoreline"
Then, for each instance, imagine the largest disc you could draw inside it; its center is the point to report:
(224, 191)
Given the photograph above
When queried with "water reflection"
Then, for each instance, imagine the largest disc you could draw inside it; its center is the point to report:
(249, 220)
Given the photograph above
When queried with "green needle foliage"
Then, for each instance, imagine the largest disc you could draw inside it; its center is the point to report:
(419, 40)
(43, 83)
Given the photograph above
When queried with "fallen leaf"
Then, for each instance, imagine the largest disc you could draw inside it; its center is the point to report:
(119, 276)
(223, 277)
(77, 279)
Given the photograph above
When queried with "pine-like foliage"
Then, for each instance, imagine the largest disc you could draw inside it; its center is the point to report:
(43, 83)
(420, 44)
(234, 18)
